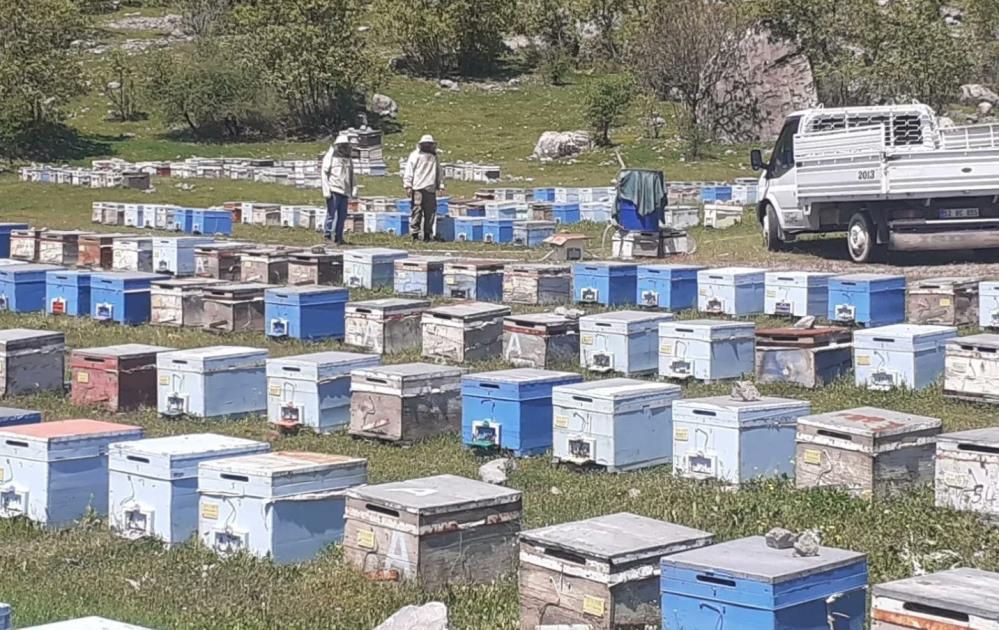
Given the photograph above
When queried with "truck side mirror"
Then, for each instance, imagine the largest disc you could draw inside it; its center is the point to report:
(756, 160)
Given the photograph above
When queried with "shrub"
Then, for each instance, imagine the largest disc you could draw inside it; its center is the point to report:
(605, 104)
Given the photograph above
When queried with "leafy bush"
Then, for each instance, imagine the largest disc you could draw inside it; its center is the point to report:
(605, 104)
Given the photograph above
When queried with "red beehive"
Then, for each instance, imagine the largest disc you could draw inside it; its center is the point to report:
(119, 378)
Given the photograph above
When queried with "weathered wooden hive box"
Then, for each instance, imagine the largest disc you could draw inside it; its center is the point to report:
(735, 440)
(471, 331)
(405, 403)
(420, 275)
(123, 297)
(286, 506)
(949, 301)
(119, 378)
(958, 599)
(22, 287)
(901, 355)
(796, 293)
(54, 472)
(266, 265)
(132, 254)
(867, 299)
(567, 247)
(810, 357)
(179, 301)
(323, 267)
(371, 268)
(869, 452)
(10, 416)
(532, 233)
(24, 243)
(735, 291)
(705, 349)
(988, 304)
(354, 224)
(175, 254)
(60, 247)
(672, 287)
(540, 340)
(435, 531)
(746, 584)
(305, 312)
(537, 283)
(624, 342)
(971, 368)
(541, 210)
(385, 326)
(212, 382)
(31, 361)
(234, 307)
(607, 283)
(153, 483)
(682, 217)
(967, 471)
(220, 261)
(600, 572)
(5, 231)
(618, 423)
(265, 214)
(313, 390)
(510, 409)
(468, 279)
(96, 251)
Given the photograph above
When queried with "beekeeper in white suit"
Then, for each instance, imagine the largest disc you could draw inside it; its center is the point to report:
(339, 185)
(423, 178)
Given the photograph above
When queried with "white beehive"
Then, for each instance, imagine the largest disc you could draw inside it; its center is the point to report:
(900, 355)
(706, 349)
(967, 471)
(212, 382)
(971, 368)
(625, 342)
(958, 599)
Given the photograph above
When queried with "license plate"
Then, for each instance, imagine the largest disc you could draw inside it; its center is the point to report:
(959, 213)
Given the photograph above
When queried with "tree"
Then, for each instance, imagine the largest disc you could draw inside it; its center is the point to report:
(122, 86)
(203, 18)
(605, 104)
(604, 18)
(551, 27)
(982, 19)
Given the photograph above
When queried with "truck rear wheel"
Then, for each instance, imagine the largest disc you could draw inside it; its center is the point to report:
(771, 231)
(862, 239)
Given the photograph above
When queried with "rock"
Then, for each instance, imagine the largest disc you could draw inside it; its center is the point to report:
(976, 93)
(555, 490)
(384, 106)
(558, 144)
(744, 390)
(634, 493)
(985, 109)
(163, 24)
(496, 471)
(448, 84)
(514, 81)
(432, 616)
(114, 85)
(780, 538)
(808, 321)
(952, 16)
(571, 313)
(807, 544)
(944, 122)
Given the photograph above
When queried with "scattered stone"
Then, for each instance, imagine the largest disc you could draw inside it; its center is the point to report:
(495, 472)
(944, 122)
(976, 93)
(985, 109)
(806, 322)
(448, 84)
(384, 106)
(432, 616)
(746, 391)
(634, 493)
(571, 313)
(807, 544)
(555, 490)
(513, 81)
(553, 145)
(163, 24)
(780, 538)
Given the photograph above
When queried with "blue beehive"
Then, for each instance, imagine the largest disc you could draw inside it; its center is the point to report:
(67, 292)
(607, 283)
(53, 472)
(745, 584)
(420, 275)
(22, 287)
(122, 297)
(713, 193)
(901, 355)
(444, 228)
(544, 194)
(565, 213)
(468, 228)
(474, 279)
(797, 293)
(212, 382)
(443, 205)
(629, 219)
(510, 409)
(286, 506)
(868, 299)
(210, 222)
(396, 223)
(736, 291)
(183, 219)
(153, 484)
(497, 230)
(532, 233)
(305, 312)
(404, 205)
(5, 230)
(9, 416)
(672, 287)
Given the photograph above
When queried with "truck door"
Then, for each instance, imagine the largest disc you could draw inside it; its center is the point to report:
(782, 179)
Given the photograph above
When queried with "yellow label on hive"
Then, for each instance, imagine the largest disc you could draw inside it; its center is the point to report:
(682, 434)
(863, 359)
(666, 348)
(812, 457)
(562, 422)
(164, 380)
(1, 474)
(771, 293)
(703, 291)
(82, 377)
(274, 390)
(593, 606)
(586, 340)
(210, 510)
(366, 539)
(945, 301)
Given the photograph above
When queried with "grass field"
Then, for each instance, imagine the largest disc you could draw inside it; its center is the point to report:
(85, 571)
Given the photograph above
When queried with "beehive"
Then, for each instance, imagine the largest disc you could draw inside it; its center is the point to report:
(958, 599)
(405, 403)
(53, 472)
(305, 312)
(212, 382)
(746, 584)
(810, 357)
(480, 280)
(96, 251)
(796, 293)
(867, 451)
(435, 531)
(286, 506)
(901, 355)
(265, 265)
(736, 291)
(867, 299)
(132, 254)
(470, 331)
(123, 297)
(31, 361)
(175, 254)
(321, 267)
(24, 243)
(672, 287)
(510, 409)
(618, 423)
(971, 368)
(949, 301)
(419, 276)
(468, 228)
(599, 572)
(67, 292)
(537, 283)
(385, 326)
(153, 483)
(566, 247)
(119, 378)
(179, 301)
(532, 233)
(967, 471)
(60, 247)
(10, 416)
(22, 287)
(5, 232)
(624, 342)
(540, 340)
(220, 261)
(370, 268)
(607, 283)
(234, 307)
(705, 349)
(735, 440)
(313, 390)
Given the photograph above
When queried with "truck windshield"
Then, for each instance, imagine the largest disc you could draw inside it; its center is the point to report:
(782, 159)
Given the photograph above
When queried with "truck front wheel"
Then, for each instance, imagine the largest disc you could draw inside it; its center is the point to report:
(771, 231)
(862, 239)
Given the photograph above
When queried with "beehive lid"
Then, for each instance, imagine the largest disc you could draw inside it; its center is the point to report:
(19, 338)
(522, 375)
(241, 288)
(88, 623)
(871, 422)
(103, 236)
(973, 342)
(541, 319)
(867, 278)
(713, 329)
(732, 412)
(374, 254)
(70, 429)
(134, 240)
(387, 305)
(406, 378)
(33, 269)
(315, 256)
(186, 283)
(470, 311)
(559, 240)
(6, 227)
(618, 538)
(604, 265)
(64, 439)
(987, 437)
(541, 269)
(904, 337)
(946, 282)
(967, 591)
(319, 366)
(751, 559)
(177, 456)
(436, 495)
(122, 351)
(281, 474)
(421, 262)
(736, 275)
(63, 234)
(211, 358)
(671, 268)
(183, 241)
(475, 264)
(616, 389)
(127, 277)
(10, 416)
(802, 337)
(798, 278)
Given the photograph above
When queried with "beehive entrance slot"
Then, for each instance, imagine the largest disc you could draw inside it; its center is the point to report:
(232, 477)
(717, 581)
(17, 443)
(974, 448)
(136, 458)
(565, 556)
(378, 509)
(925, 609)
(836, 435)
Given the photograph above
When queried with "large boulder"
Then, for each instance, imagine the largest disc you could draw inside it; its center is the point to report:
(432, 616)
(975, 93)
(384, 106)
(553, 145)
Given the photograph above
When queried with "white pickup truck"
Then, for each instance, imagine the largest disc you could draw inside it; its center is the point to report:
(889, 176)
